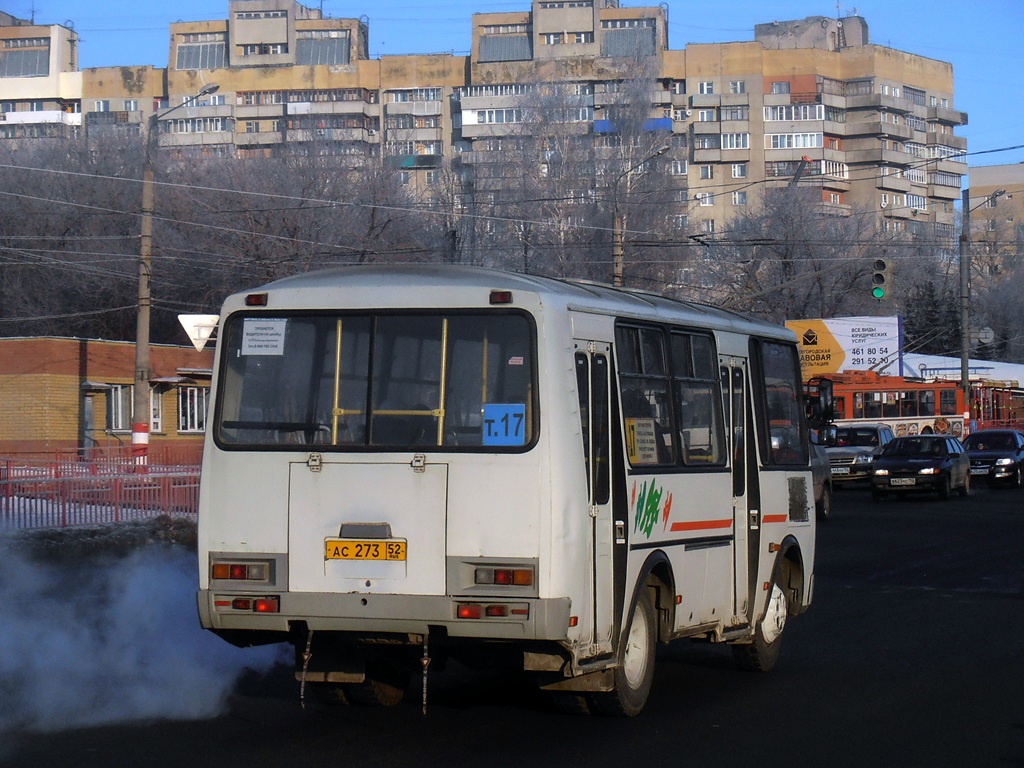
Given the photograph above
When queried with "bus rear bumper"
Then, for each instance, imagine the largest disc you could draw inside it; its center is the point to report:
(476, 617)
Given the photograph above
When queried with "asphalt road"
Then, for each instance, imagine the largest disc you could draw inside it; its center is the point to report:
(912, 655)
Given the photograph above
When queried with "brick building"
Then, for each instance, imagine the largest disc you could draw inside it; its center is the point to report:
(63, 394)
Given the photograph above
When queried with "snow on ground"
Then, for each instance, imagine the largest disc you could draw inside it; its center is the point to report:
(101, 627)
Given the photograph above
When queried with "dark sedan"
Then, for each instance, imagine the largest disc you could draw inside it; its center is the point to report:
(997, 455)
(921, 463)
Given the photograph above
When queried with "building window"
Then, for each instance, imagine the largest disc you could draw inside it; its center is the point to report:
(131, 105)
(102, 105)
(415, 94)
(738, 86)
(156, 411)
(706, 199)
(739, 197)
(708, 226)
(119, 408)
(781, 86)
(739, 170)
(707, 171)
(737, 112)
(735, 141)
(494, 116)
(192, 409)
(678, 168)
(705, 115)
(706, 87)
(792, 140)
(790, 112)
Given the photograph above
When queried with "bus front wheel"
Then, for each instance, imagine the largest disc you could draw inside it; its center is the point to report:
(635, 670)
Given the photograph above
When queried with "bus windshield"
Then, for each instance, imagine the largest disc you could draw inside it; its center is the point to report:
(382, 381)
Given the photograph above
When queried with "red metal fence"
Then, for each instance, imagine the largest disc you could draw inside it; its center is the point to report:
(48, 494)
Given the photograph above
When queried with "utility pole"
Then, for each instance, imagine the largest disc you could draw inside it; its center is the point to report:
(965, 301)
(141, 406)
(965, 289)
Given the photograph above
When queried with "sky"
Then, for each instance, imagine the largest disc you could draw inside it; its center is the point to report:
(982, 39)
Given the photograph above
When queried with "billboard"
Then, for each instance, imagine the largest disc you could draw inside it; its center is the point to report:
(847, 344)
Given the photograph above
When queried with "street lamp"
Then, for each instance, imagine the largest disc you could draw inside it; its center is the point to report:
(141, 408)
(618, 226)
(965, 289)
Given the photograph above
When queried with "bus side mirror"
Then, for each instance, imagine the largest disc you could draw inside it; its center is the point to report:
(825, 400)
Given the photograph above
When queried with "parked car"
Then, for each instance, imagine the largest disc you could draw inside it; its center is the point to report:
(855, 449)
(997, 455)
(921, 463)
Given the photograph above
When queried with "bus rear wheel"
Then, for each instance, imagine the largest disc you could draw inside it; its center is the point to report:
(635, 670)
(761, 654)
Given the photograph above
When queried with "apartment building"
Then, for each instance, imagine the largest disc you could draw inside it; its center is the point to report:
(40, 85)
(997, 215)
(866, 126)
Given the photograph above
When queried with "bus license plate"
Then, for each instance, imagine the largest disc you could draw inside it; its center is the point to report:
(364, 549)
(903, 481)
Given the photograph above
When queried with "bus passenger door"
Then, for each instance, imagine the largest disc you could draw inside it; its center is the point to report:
(744, 479)
(593, 370)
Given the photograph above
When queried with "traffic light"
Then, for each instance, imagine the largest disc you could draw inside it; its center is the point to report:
(881, 279)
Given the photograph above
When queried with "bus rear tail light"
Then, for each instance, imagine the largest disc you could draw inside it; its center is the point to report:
(254, 604)
(241, 571)
(505, 577)
(492, 610)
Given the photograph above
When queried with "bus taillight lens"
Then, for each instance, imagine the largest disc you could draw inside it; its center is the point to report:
(241, 571)
(506, 577)
(266, 605)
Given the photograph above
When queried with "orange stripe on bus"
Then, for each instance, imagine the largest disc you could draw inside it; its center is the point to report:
(702, 525)
(774, 518)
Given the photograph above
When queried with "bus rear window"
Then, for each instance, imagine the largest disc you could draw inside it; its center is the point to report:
(365, 381)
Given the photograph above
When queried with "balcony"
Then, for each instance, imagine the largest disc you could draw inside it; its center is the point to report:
(41, 117)
(894, 183)
(707, 155)
(415, 108)
(958, 143)
(949, 116)
(698, 100)
(411, 162)
(880, 101)
(243, 111)
(332, 108)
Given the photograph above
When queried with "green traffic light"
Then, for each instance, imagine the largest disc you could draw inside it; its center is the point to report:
(878, 292)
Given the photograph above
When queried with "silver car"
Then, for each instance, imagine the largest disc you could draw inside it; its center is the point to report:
(855, 449)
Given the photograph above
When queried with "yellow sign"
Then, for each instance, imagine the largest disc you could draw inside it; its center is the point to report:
(820, 352)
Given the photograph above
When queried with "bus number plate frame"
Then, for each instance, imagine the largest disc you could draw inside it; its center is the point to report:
(369, 550)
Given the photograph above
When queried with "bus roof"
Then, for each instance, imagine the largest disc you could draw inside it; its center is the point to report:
(382, 285)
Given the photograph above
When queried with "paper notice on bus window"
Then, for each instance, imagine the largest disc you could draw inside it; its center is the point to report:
(641, 441)
(263, 337)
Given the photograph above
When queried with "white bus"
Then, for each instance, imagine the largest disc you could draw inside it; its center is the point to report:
(410, 463)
